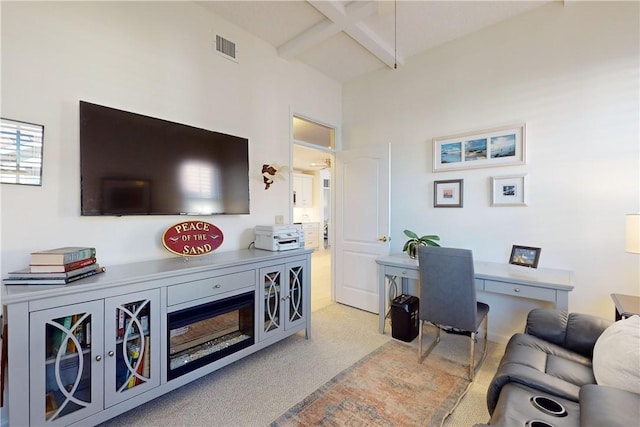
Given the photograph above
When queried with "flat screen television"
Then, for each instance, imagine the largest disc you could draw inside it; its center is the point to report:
(131, 164)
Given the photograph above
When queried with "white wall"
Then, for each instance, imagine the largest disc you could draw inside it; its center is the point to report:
(152, 58)
(571, 73)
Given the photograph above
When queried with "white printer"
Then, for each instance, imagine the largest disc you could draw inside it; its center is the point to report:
(279, 237)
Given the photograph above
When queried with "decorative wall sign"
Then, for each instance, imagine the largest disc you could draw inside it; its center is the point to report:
(192, 238)
(508, 190)
(503, 146)
(448, 193)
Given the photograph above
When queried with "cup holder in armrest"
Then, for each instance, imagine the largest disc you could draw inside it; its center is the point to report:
(538, 423)
(548, 406)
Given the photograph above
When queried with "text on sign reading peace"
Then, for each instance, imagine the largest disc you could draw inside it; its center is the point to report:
(192, 238)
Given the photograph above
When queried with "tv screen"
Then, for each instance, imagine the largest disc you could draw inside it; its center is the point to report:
(131, 164)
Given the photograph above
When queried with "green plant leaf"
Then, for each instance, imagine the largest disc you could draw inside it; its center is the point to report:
(411, 234)
(414, 241)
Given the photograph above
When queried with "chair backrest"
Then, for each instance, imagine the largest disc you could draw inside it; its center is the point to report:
(447, 287)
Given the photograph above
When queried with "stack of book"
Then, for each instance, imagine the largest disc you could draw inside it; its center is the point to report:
(58, 266)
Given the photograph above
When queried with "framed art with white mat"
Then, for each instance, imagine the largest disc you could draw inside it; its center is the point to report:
(509, 190)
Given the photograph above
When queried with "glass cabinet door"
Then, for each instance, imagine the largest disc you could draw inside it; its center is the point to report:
(65, 361)
(296, 294)
(271, 288)
(131, 345)
(282, 303)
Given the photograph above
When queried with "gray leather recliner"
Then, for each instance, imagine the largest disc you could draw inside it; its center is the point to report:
(554, 357)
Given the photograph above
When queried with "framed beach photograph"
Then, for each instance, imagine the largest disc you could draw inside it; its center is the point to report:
(508, 190)
(448, 193)
(500, 146)
(525, 256)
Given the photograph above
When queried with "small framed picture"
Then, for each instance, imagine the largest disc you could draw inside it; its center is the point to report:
(447, 193)
(509, 190)
(526, 256)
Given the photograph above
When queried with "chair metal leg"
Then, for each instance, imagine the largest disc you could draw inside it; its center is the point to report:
(472, 362)
(485, 332)
(473, 367)
(421, 355)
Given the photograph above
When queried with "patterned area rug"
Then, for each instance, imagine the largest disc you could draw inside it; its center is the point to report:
(386, 388)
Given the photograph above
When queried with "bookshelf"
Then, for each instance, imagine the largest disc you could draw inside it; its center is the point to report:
(98, 346)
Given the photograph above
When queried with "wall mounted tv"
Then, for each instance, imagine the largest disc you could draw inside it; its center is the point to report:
(132, 164)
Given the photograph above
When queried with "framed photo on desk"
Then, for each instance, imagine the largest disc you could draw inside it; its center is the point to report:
(525, 256)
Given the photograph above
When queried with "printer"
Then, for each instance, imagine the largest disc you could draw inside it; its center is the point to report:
(279, 237)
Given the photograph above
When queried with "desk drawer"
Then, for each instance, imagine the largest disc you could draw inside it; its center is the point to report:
(522, 291)
(406, 273)
(197, 289)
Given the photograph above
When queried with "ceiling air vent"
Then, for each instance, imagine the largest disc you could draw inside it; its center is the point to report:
(226, 48)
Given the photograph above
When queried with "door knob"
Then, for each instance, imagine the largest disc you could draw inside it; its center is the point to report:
(383, 239)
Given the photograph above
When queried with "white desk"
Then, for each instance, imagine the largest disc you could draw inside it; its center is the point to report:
(542, 284)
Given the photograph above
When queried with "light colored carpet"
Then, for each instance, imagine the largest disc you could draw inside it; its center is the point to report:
(320, 279)
(256, 390)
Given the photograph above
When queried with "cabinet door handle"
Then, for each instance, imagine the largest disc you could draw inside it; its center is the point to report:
(98, 358)
(516, 290)
(111, 353)
(217, 286)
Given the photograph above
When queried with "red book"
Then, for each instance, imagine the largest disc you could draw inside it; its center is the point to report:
(62, 268)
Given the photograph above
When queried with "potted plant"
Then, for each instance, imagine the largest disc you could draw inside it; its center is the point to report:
(411, 245)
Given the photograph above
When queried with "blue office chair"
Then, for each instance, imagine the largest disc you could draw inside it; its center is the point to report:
(448, 298)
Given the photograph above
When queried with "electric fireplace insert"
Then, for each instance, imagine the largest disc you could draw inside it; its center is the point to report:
(205, 333)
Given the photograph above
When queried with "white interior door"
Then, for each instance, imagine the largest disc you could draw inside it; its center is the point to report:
(362, 223)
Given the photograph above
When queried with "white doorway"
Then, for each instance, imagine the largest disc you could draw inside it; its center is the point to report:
(313, 147)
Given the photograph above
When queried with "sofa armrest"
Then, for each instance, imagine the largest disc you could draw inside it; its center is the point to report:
(574, 331)
(613, 407)
(527, 376)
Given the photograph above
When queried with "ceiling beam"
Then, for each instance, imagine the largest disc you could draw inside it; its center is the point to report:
(340, 18)
(374, 44)
(354, 12)
(308, 39)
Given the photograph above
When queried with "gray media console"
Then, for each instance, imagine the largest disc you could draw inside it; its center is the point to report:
(85, 352)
